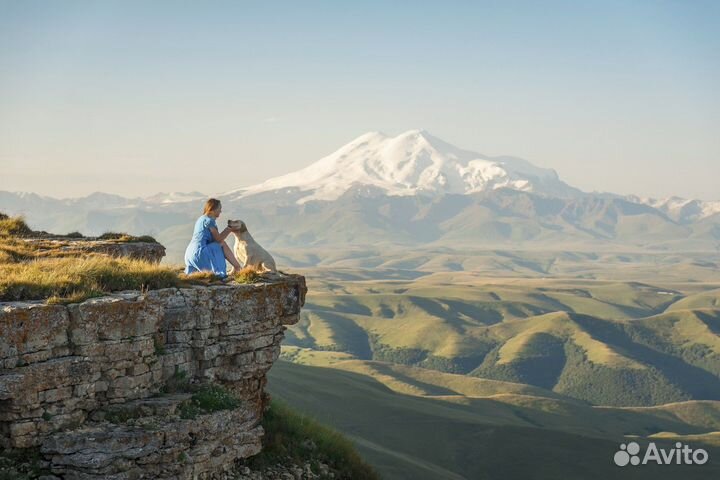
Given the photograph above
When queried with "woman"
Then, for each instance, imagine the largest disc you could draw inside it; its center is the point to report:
(207, 250)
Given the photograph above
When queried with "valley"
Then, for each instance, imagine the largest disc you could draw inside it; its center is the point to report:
(555, 353)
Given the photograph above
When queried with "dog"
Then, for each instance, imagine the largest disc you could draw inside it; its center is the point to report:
(248, 251)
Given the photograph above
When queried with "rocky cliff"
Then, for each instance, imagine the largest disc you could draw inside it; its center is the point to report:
(150, 251)
(161, 384)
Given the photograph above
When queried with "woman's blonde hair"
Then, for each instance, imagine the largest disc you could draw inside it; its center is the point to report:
(211, 205)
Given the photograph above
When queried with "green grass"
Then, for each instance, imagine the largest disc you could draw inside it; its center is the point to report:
(208, 399)
(447, 323)
(179, 382)
(516, 435)
(287, 433)
(122, 415)
(413, 380)
(605, 342)
(706, 299)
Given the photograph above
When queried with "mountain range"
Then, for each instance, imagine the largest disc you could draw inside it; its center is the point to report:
(413, 188)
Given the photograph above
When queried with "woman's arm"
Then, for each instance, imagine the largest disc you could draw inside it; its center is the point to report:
(220, 236)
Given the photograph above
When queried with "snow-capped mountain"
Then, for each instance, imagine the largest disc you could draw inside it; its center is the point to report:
(408, 189)
(175, 197)
(411, 163)
(680, 209)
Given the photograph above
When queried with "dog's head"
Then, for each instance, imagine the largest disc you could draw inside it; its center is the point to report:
(237, 226)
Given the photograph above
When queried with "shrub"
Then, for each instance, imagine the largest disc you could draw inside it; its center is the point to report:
(287, 433)
(208, 399)
(120, 415)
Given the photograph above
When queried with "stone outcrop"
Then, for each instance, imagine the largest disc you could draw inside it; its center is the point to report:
(149, 251)
(87, 383)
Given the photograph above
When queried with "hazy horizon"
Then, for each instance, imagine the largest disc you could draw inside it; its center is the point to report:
(137, 98)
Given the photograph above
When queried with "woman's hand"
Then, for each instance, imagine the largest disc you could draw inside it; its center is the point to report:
(220, 236)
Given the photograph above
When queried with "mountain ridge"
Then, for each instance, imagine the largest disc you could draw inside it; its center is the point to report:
(676, 207)
(413, 162)
(411, 188)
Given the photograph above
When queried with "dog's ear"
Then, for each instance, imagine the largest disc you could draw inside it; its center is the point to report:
(243, 228)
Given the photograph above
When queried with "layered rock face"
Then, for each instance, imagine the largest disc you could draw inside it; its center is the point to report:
(68, 373)
(149, 251)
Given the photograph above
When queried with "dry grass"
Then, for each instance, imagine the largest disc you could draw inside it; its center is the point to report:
(46, 269)
(16, 227)
(19, 243)
(72, 279)
(124, 237)
(13, 226)
(200, 277)
(17, 250)
(247, 275)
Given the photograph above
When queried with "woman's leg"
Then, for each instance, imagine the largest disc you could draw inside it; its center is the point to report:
(230, 256)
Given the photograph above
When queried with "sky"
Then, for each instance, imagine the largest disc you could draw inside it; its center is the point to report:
(135, 97)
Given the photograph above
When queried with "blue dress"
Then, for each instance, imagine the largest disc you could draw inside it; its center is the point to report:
(204, 253)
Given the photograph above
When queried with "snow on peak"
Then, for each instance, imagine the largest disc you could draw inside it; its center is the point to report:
(680, 208)
(175, 197)
(410, 163)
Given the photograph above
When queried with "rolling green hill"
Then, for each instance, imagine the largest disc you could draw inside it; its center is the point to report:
(604, 342)
(668, 357)
(495, 436)
(508, 364)
(706, 299)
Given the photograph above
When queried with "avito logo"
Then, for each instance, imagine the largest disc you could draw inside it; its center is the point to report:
(680, 455)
